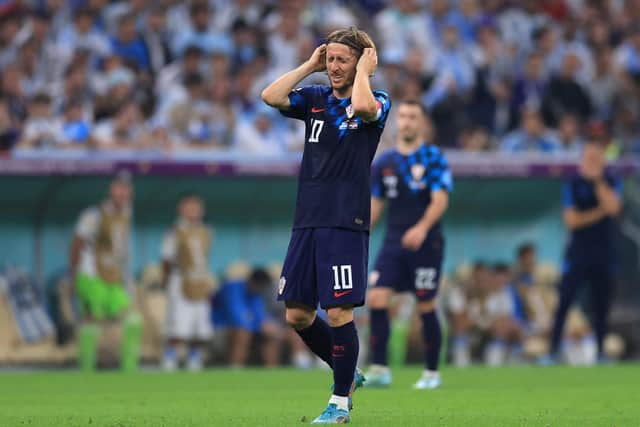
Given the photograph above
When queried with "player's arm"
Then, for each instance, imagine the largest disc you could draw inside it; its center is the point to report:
(608, 197)
(575, 219)
(364, 103)
(74, 255)
(277, 93)
(435, 210)
(415, 236)
(169, 252)
(377, 207)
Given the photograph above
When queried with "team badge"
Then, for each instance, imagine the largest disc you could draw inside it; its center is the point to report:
(417, 171)
(281, 284)
(349, 111)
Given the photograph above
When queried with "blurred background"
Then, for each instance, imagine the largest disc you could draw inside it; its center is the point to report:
(165, 95)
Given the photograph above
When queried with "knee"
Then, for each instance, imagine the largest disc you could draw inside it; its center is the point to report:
(299, 319)
(427, 306)
(378, 298)
(339, 316)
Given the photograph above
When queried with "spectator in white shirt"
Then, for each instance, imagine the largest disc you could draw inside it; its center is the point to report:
(42, 129)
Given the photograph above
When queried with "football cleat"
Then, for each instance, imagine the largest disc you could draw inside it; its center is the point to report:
(332, 415)
(428, 382)
(378, 376)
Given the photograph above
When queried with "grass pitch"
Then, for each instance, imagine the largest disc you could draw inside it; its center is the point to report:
(522, 396)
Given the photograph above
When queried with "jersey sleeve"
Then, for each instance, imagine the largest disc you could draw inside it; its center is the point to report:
(441, 178)
(567, 195)
(169, 247)
(377, 186)
(87, 226)
(298, 103)
(383, 103)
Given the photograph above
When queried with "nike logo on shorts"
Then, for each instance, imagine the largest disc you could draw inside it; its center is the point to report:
(340, 294)
(317, 110)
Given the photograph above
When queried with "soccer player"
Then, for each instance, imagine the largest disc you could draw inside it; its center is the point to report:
(326, 261)
(592, 200)
(188, 279)
(416, 181)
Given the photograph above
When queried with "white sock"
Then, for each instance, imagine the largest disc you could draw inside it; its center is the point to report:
(430, 374)
(302, 360)
(379, 369)
(342, 402)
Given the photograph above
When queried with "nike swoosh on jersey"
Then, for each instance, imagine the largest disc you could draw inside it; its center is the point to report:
(317, 110)
(340, 294)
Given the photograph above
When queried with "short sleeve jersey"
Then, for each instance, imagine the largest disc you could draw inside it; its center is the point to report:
(334, 180)
(596, 240)
(407, 182)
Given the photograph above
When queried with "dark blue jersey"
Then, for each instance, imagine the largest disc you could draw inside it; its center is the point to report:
(596, 240)
(407, 182)
(333, 186)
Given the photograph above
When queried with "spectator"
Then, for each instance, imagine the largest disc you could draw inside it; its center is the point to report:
(258, 135)
(76, 131)
(119, 82)
(189, 283)
(169, 83)
(475, 139)
(240, 307)
(531, 136)
(528, 88)
(130, 46)
(401, 27)
(9, 131)
(83, 34)
(13, 93)
(568, 134)
(627, 55)
(155, 36)
(564, 94)
(199, 32)
(42, 129)
(124, 130)
(285, 39)
(605, 86)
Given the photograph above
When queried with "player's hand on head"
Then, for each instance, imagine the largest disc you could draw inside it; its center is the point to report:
(368, 62)
(414, 237)
(318, 58)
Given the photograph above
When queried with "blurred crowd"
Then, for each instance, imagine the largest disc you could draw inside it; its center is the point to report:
(527, 75)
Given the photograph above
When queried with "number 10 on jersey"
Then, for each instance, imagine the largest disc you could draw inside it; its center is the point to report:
(316, 128)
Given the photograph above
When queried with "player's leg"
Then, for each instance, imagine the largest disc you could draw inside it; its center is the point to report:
(601, 282)
(201, 335)
(383, 282)
(176, 325)
(572, 280)
(312, 329)
(378, 300)
(341, 263)
(297, 288)
(425, 265)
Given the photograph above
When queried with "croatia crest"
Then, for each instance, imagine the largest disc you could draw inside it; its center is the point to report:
(417, 172)
(349, 111)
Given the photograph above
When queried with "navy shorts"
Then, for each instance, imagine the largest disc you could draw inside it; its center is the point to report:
(405, 270)
(326, 266)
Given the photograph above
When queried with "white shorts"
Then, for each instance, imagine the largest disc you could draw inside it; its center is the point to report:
(186, 319)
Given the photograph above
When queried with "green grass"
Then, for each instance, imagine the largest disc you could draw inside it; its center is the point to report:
(524, 396)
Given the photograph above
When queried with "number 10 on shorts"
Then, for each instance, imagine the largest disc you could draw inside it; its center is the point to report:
(342, 277)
